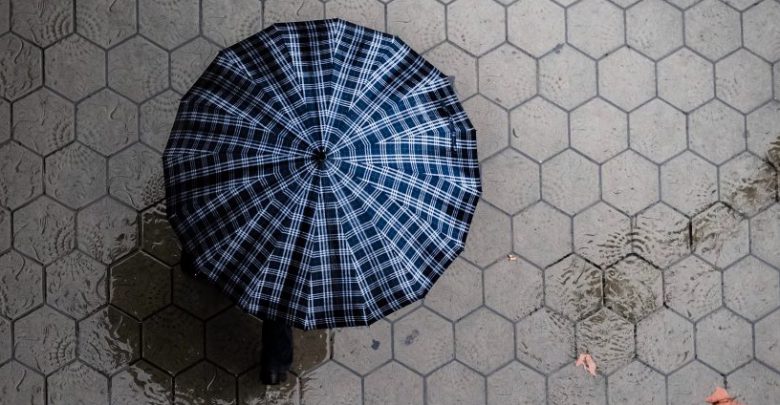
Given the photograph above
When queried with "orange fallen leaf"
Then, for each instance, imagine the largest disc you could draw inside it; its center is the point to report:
(721, 397)
(586, 361)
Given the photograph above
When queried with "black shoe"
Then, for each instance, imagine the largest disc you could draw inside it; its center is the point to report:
(272, 377)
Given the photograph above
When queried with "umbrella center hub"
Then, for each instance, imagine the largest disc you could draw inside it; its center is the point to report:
(320, 155)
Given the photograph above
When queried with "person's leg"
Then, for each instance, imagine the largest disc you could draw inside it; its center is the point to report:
(276, 355)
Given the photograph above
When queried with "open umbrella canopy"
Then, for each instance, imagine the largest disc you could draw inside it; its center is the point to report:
(322, 174)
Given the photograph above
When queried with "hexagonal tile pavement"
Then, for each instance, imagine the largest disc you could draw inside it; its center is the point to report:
(636, 380)
(75, 175)
(762, 137)
(205, 383)
(75, 67)
(692, 287)
(251, 389)
(141, 381)
(536, 26)
(510, 181)
(45, 340)
(43, 121)
(310, 349)
(686, 384)
(762, 35)
(712, 28)
(689, 183)
(595, 26)
(570, 385)
(488, 237)
(685, 80)
(491, 123)
(768, 339)
(137, 69)
(539, 129)
(418, 23)
(506, 76)
(483, 340)
(720, 235)
(630, 182)
(368, 13)
(173, 339)
(602, 234)
(76, 284)
(455, 383)
(570, 182)
(42, 25)
(196, 296)
(475, 25)
(452, 61)
(764, 234)
(515, 384)
(718, 121)
(364, 348)
(654, 27)
(106, 22)
(189, 61)
(573, 287)
(77, 383)
(157, 117)
(135, 176)
(608, 338)
(233, 340)
(457, 292)
(140, 285)
(6, 345)
(423, 341)
(318, 388)
(20, 64)
(21, 175)
(44, 230)
(107, 230)
(107, 122)
(5, 20)
(293, 10)
(109, 340)
(392, 383)
(657, 130)
(20, 385)
(751, 288)
(5, 121)
(228, 22)
(542, 234)
(545, 340)
(660, 235)
(633, 288)
(748, 183)
(754, 384)
(743, 80)
(21, 284)
(627, 78)
(598, 130)
(724, 340)
(664, 340)
(168, 22)
(5, 229)
(567, 77)
(513, 288)
(159, 239)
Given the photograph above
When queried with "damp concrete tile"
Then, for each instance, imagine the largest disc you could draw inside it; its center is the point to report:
(720, 235)
(539, 129)
(489, 236)
(44, 230)
(419, 23)
(6, 346)
(654, 27)
(687, 385)
(137, 69)
(545, 340)
(515, 384)
(484, 341)
(751, 288)
(21, 284)
(43, 121)
(293, 10)
(205, 383)
(140, 285)
(633, 288)
(748, 183)
(5, 229)
(19, 384)
(573, 287)
(661, 235)
(510, 181)
(491, 122)
(173, 340)
(724, 340)
(75, 175)
(189, 61)
(310, 348)
(169, 23)
(630, 182)
(636, 380)
(75, 67)
(598, 130)
(5, 121)
(626, 77)
(713, 29)
(455, 384)
(107, 230)
(229, 21)
(608, 338)
(157, 116)
(536, 26)
(141, 382)
(765, 235)
(768, 339)
(595, 26)
(107, 122)
(475, 25)
(159, 238)
(21, 64)
(664, 340)
(571, 385)
(452, 61)
(762, 34)
(507, 76)
(364, 348)
(762, 136)
(76, 284)
(689, 183)
(542, 234)
(716, 132)
(5, 20)
(233, 340)
(330, 383)
(197, 296)
(393, 383)
(106, 22)
(567, 77)
(135, 176)
(423, 341)
(252, 391)
(657, 130)
(77, 383)
(755, 384)
(42, 25)
(45, 340)
(570, 181)
(513, 288)
(685, 80)
(368, 13)
(743, 80)
(109, 340)
(602, 234)
(692, 287)
(457, 292)
(21, 175)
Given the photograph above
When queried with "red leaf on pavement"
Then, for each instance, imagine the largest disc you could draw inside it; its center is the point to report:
(721, 397)
(586, 361)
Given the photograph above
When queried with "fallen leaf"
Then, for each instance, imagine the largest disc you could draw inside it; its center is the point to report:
(721, 397)
(586, 361)
(511, 258)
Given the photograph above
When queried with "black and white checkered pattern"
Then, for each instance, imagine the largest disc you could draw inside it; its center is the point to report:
(321, 173)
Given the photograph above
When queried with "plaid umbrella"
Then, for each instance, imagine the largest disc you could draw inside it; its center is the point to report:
(322, 174)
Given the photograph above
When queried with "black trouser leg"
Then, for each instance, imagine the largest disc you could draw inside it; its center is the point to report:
(277, 352)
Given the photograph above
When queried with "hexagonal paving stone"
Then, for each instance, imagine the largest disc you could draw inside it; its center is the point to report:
(251, 390)
(5, 20)
(536, 26)
(510, 181)
(20, 385)
(602, 234)
(21, 175)
(751, 288)
(457, 292)
(293, 10)
(137, 69)
(570, 385)
(196, 296)
(660, 235)
(743, 80)
(570, 182)
(20, 64)
(364, 348)
(542, 234)
(321, 386)
(539, 129)
(664, 340)
(189, 62)
(107, 122)
(748, 184)
(768, 339)
(489, 236)
(159, 239)
(228, 22)
(490, 121)
(765, 233)
(42, 25)
(636, 380)
(762, 136)
(75, 175)
(45, 340)
(720, 235)
(515, 384)
(140, 285)
(573, 287)
(43, 121)
(507, 76)
(455, 384)
(5, 121)
(233, 340)
(716, 131)
(77, 383)
(368, 13)
(44, 230)
(545, 340)
(685, 80)
(608, 338)
(76, 284)
(392, 383)
(762, 35)
(484, 341)
(109, 340)
(724, 340)
(633, 288)
(755, 384)
(205, 383)
(776, 73)
(5, 229)
(657, 130)
(630, 182)
(454, 62)
(173, 339)
(712, 28)
(418, 23)
(21, 284)
(567, 77)
(513, 288)
(627, 78)
(689, 183)
(692, 287)
(107, 230)
(475, 25)
(75, 67)
(423, 341)
(6, 345)
(598, 130)
(686, 384)
(106, 22)
(135, 176)
(141, 382)
(595, 26)
(654, 27)
(157, 116)
(169, 23)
